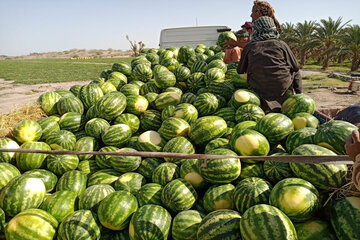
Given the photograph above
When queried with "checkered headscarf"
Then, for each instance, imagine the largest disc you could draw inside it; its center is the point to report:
(263, 29)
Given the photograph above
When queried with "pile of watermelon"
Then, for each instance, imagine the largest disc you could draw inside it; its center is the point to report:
(178, 100)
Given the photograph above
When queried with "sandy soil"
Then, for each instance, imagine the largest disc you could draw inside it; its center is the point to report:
(16, 95)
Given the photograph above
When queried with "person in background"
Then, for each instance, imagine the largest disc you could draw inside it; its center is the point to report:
(272, 69)
(352, 147)
(247, 27)
(234, 53)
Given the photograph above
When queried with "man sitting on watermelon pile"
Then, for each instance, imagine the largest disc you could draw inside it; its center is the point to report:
(353, 150)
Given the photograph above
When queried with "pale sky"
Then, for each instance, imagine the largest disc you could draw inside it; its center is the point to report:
(58, 25)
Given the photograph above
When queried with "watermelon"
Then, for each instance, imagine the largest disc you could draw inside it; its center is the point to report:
(93, 195)
(302, 120)
(206, 104)
(224, 37)
(46, 176)
(96, 127)
(221, 87)
(150, 222)
(21, 193)
(122, 67)
(244, 125)
(153, 58)
(148, 165)
(174, 127)
(271, 223)
(74, 181)
(43, 225)
(7, 172)
(298, 103)
(76, 88)
(108, 87)
(217, 63)
(79, 225)
(69, 104)
(269, 126)
(345, 218)
(196, 81)
(190, 171)
(178, 195)
(142, 72)
(89, 94)
(333, 134)
(215, 74)
(166, 99)
(250, 192)
(165, 173)
(48, 126)
(277, 171)
(176, 89)
(62, 139)
(300, 137)
(110, 105)
(64, 93)
(249, 112)
(28, 161)
(159, 68)
(164, 79)
(104, 176)
(60, 204)
(242, 97)
(199, 66)
(185, 225)
(141, 59)
(233, 65)
(227, 113)
(91, 113)
(88, 167)
(149, 87)
(103, 161)
(223, 170)
(86, 144)
(150, 120)
(238, 80)
(249, 143)
(296, 197)
(178, 145)
(206, 129)
(251, 169)
(149, 194)
(219, 197)
(116, 135)
(322, 176)
(118, 76)
(48, 102)
(59, 164)
(125, 163)
(182, 73)
(217, 143)
(167, 112)
(117, 82)
(27, 131)
(220, 224)
(130, 182)
(72, 122)
(188, 98)
(151, 97)
(185, 52)
(7, 143)
(170, 63)
(136, 104)
(150, 141)
(314, 229)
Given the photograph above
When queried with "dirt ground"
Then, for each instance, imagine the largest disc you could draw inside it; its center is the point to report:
(17, 95)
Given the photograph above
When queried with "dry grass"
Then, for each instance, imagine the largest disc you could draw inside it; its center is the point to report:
(27, 112)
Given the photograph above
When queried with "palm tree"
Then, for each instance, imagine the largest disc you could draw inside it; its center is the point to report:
(304, 39)
(351, 40)
(287, 33)
(328, 33)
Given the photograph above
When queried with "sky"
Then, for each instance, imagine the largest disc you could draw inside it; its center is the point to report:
(28, 26)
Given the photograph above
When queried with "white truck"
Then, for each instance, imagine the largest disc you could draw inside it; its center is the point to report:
(192, 36)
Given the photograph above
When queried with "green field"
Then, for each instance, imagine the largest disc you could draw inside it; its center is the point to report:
(55, 70)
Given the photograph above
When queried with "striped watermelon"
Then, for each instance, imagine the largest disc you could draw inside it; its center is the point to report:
(130, 89)
(217, 63)
(219, 197)
(48, 126)
(244, 125)
(42, 225)
(116, 135)
(74, 181)
(249, 112)
(227, 113)
(271, 223)
(130, 182)
(125, 163)
(178, 195)
(269, 126)
(48, 102)
(150, 120)
(150, 141)
(296, 197)
(137, 83)
(224, 37)
(96, 127)
(182, 73)
(199, 66)
(314, 229)
(242, 97)
(86, 144)
(118, 76)
(174, 127)
(151, 97)
(164, 79)
(251, 170)
(103, 161)
(89, 94)
(69, 104)
(298, 103)
(159, 68)
(136, 104)
(72, 122)
(122, 67)
(150, 222)
(250, 192)
(48, 178)
(300, 137)
(302, 120)
(64, 93)
(28, 161)
(345, 218)
(107, 234)
(148, 165)
(21, 193)
(153, 58)
(166, 99)
(196, 81)
(76, 88)
(185, 52)
(277, 171)
(190, 171)
(249, 143)
(185, 225)
(217, 143)
(27, 131)
(206, 129)
(239, 80)
(104, 176)
(188, 98)
(322, 176)
(88, 167)
(224, 170)
(220, 224)
(7, 172)
(60, 164)
(167, 112)
(149, 87)
(79, 225)
(93, 195)
(187, 112)
(206, 104)
(165, 173)
(333, 134)
(110, 105)
(60, 204)
(107, 87)
(7, 143)
(118, 83)
(142, 72)
(91, 113)
(61, 140)
(149, 194)
(214, 74)
(178, 145)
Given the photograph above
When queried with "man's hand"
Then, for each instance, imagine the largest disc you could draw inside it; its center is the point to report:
(352, 145)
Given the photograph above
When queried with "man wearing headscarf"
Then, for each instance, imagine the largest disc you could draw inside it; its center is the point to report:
(271, 67)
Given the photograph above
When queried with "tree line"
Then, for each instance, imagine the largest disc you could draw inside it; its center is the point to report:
(326, 40)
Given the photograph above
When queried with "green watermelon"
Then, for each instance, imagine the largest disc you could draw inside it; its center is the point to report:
(300, 137)
(185, 52)
(104, 176)
(48, 126)
(217, 143)
(93, 195)
(199, 66)
(72, 122)
(62, 139)
(149, 87)
(150, 120)
(28, 161)
(196, 81)
(136, 104)
(59, 164)
(118, 76)
(314, 229)
(27, 131)
(206, 104)
(249, 112)
(74, 181)
(188, 98)
(64, 93)
(7, 172)
(302, 120)
(148, 165)
(142, 72)
(165, 173)
(216, 74)
(164, 79)
(116, 135)
(108, 87)
(178, 145)
(76, 88)
(150, 141)
(89, 94)
(251, 169)
(46, 176)
(125, 163)
(249, 143)
(174, 127)
(151, 97)
(153, 58)
(185, 225)
(242, 97)
(182, 73)
(238, 80)
(122, 67)
(167, 112)
(103, 161)
(244, 125)
(176, 89)
(298, 103)
(69, 104)
(166, 99)
(60, 204)
(190, 171)
(96, 127)
(48, 102)
(224, 37)
(86, 144)
(110, 105)
(277, 171)
(219, 197)
(206, 129)
(7, 143)
(170, 63)
(149, 194)
(217, 63)
(130, 89)
(88, 167)
(130, 182)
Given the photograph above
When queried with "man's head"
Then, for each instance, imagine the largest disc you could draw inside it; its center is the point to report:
(261, 8)
(247, 27)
